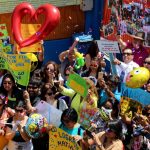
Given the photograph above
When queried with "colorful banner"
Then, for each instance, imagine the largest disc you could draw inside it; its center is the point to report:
(3, 31)
(60, 140)
(86, 115)
(19, 66)
(129, 107)
(28, 30)
(78, 84)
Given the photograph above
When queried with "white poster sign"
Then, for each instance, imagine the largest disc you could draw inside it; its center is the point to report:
(52, 114)
(108, 46)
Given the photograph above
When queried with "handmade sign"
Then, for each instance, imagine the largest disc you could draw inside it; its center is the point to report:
(5, 48)
(89, 115)
(3, 31)
(129, 106)
(86, 115)
(18, 64)
(52, 114)
(4, 39)
(28, 30)
(108, 46)
(78, 84)
(60, 140)
(100, 119)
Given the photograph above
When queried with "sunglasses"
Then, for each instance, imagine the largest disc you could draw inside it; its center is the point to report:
(7, 83)
(50, 69)
(19, 110)
(147, 63)
(128, 54)
(49, 94)
(32, 87)
(94, 65)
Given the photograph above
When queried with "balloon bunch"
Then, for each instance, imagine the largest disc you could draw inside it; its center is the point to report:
(36, 126)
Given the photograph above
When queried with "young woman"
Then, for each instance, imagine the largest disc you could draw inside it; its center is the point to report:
(49, 95)
(50, 72)
(15, 133)
(92, 52)
(10, 90)
(107, 140)
(93, 70)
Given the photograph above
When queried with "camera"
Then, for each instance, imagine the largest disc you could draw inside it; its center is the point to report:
(89, 133)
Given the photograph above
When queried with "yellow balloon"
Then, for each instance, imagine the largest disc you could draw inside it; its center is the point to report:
(138, 77)
(34, 60)
(32, 57)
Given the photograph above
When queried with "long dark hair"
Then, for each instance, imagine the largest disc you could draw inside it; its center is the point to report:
(44, 91)
(70, 114)
(55, 68)
(116, 126)
(13, 83)
(93, 49)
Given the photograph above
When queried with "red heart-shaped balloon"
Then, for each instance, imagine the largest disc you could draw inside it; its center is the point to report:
(52, 18)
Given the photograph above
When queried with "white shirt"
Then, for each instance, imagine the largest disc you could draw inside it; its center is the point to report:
(126, 68)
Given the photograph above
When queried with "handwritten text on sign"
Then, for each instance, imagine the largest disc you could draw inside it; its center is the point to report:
(108, 46)
(18, 64)
(129, 106)
(60, 140)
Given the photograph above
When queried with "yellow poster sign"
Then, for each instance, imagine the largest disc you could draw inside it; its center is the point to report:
(28, 30)
(60, 140)
(129, 107)
(78, 84)
(18, 64)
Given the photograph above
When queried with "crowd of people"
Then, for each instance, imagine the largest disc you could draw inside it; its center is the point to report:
(48, 82)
